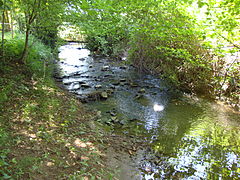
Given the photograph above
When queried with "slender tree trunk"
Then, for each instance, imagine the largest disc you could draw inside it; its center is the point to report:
(12, 30)
(3, 30)
(30, 16)
(25, 50)
(7, 22)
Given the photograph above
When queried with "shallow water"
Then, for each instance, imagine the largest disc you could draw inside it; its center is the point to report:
(184, 138)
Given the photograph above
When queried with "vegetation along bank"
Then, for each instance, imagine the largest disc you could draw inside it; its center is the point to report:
(43, 130)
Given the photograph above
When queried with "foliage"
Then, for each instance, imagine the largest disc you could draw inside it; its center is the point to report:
(39, 59)
(189, 42)
(168, 43)
(169, 38)
(222, 36)
(103, 24)
(47, 22)
(40, 18)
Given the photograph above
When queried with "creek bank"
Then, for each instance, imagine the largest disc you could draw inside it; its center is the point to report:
(143, 108)
(46, 132)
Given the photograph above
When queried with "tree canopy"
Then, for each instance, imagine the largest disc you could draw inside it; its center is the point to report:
(189, 42)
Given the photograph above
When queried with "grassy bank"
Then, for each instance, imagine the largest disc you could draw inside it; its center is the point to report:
(44, 132)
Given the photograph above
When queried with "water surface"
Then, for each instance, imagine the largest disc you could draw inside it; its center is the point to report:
(184, 138)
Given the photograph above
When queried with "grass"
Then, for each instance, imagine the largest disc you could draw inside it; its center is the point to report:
(44, 131)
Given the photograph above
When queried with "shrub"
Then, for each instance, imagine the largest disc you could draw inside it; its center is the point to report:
(39, 55)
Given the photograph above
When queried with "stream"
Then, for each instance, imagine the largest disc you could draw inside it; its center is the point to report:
(177, 136)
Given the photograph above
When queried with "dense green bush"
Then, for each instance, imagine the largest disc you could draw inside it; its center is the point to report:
(38, 63)
(39, 55)
(183, 41)
(165, 41)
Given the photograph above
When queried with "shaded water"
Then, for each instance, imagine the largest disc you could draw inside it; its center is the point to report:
(184, 138)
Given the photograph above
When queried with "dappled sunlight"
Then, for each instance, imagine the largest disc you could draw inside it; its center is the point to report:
(49, 89)
(42, 123)
(49, 164)
(82, 144)
(88, 145)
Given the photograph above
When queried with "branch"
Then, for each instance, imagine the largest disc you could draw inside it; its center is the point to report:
(228, 40)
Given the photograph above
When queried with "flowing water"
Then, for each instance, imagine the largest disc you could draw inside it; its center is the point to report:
(181, 137)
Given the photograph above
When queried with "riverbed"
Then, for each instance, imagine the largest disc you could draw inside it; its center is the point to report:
(178, 136)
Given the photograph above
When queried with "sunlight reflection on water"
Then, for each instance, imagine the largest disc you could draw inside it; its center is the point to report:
(191, 140)
(157, 107)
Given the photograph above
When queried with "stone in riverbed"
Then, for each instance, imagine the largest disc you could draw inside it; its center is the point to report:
(58, 79)
(138, 96)
(82, 82)
(154, 93)
(105, 68)
(98, 80)
(67, 83)
(148, 86)
(93, 96)
(122, 122)
(123, 67)
(85, 85)
(127, 83)
(104, 95)
(85, 76)
(83, 99)
(112, 113)
(109, 91)
(115, 83)
(98, 86)
(112, 87)
(122, 80)
(142, 90)
(133, 85)
(108, 75)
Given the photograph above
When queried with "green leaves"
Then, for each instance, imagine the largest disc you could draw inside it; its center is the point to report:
(1, 4)
(169, 37)
(5, 5)
(84, 5)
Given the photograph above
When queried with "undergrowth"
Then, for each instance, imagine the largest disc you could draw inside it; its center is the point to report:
(44, 132)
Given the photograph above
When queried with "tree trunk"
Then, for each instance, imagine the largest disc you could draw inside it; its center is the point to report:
(25, 50)
(3, 30)
(12, 28)
(7, 21)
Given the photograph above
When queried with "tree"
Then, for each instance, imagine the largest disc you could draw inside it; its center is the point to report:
(5, 6)
(2, 6)
(39, 14)
(46, 25)
(31, 10)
